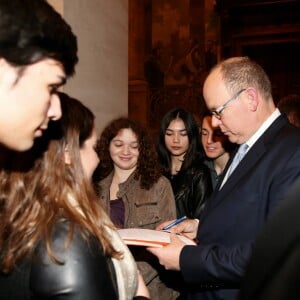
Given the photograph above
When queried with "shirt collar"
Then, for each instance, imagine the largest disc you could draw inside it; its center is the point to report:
(263, 128)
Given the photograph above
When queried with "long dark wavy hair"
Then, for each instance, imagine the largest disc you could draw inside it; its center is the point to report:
(195, 152)
(35, 190)
(148, 170)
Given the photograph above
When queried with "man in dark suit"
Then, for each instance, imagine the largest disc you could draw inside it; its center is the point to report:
(238, 93)
(274, 269)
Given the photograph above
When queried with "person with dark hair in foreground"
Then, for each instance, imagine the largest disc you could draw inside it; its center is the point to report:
(49, 232)
(38, 51)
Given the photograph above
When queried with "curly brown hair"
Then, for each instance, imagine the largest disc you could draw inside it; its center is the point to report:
(148, 169)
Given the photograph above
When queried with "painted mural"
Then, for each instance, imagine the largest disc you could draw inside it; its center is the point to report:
(177, 58)
(180, 58)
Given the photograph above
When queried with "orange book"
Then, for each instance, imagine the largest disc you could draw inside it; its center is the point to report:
(149, 237)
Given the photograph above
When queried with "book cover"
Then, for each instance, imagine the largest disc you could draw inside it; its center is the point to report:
(149, 237)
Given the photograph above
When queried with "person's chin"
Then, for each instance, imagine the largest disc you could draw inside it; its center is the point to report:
(178, 153)
(23, 145)
(211, 155)
(232, 138)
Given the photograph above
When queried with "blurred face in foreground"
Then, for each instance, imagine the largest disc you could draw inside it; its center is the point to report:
(28, 101)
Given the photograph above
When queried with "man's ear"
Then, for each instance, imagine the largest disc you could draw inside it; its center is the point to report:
(253, 98)
(67, 156)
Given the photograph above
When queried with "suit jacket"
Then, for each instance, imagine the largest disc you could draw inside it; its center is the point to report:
(235, 214)
(274, 269)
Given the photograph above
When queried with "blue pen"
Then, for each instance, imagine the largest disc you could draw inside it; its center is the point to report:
(174, 223)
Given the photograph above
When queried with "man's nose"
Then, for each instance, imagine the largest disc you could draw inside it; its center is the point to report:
(215, 122)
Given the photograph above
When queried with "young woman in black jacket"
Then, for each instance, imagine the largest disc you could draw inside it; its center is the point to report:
(181, 156)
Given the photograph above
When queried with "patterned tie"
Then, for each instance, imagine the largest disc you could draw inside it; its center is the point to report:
(237, 158)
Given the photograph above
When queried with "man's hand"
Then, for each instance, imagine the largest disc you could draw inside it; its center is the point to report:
(168, 256)
(187, 228)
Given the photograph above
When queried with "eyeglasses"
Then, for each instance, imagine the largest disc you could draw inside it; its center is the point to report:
(217, 112)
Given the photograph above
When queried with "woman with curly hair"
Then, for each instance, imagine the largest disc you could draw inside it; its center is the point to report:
(182, 158)
(134, 192)
(56, 241)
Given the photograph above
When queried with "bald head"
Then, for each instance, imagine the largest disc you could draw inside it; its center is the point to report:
(238, 93)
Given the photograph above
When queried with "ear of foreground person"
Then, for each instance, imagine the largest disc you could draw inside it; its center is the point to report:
(274, 269)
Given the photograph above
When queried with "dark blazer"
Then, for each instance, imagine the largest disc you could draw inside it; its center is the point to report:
(274, 269)
(235, 214)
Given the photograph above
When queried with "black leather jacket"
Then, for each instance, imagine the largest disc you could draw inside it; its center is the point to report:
(86, 273)
(191, 188)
